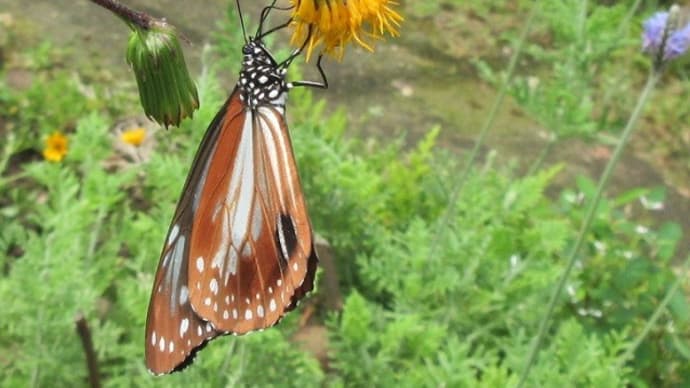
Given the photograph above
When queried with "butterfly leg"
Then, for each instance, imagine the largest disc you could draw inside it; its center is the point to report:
(314, 84)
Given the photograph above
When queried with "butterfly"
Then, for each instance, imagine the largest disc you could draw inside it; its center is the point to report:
(239, 253)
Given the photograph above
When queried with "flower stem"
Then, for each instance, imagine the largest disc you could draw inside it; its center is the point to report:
(457, 189)
(657, 313)
(129, 15)
(586, 223)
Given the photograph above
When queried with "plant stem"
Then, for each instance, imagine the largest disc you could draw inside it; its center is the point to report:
(610, 91)
(657, 313)
(127, 14)
(587, 222)
(542, 155)
(90, 354)
(455, 193)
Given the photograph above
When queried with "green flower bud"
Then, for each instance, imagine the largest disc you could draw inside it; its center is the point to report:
(166, 90)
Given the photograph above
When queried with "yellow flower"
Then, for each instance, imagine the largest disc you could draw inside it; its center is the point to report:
(134, 136)
(56, 147)
(335, 23)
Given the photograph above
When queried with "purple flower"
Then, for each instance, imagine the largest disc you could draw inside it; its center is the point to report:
(677, 43)
(654, 32)
(659, 35)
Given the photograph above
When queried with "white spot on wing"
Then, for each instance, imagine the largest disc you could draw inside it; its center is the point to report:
(184, 295)
(248, 314)
(247, 250)
(174, 232)
(213, 285)
(224, 246)
(166, 258)
(257, 221)
(232, 265)
(161, 344)
(260, 311)
(184, 326)
(153, 338)
(200, 264)
(272, 305)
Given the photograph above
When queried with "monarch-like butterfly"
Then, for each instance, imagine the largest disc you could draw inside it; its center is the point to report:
(239, 253)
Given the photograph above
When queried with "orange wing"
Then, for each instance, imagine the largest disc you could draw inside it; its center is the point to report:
(251, 255)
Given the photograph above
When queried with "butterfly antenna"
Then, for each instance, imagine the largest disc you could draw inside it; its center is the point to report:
(239, 12)
(264, 15)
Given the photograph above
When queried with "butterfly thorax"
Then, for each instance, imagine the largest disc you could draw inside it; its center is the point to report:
(262, 80)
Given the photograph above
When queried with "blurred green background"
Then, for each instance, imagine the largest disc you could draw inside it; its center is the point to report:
(422, 299)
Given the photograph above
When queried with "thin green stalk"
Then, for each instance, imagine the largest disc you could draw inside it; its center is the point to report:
(628, 17)
(587, 222)
(582, 22)
(7, 152)
(542, 155)
(610, 92)
(455, 193)
(657, 313)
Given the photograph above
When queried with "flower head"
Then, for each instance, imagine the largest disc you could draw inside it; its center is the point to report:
(335, 23)
(166, 89)
(664, 36)
(56, 147)
(134, 136)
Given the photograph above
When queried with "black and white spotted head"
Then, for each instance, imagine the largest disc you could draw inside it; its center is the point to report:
(262, 80)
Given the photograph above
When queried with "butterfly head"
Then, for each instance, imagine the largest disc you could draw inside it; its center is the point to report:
(262, 80)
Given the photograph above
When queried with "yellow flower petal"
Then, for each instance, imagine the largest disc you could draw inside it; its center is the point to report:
(134, 136)
(335, 23)
(56, 147)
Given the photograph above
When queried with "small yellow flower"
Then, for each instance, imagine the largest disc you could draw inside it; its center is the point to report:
(134, 136)
(335, 23)
(56, 147)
